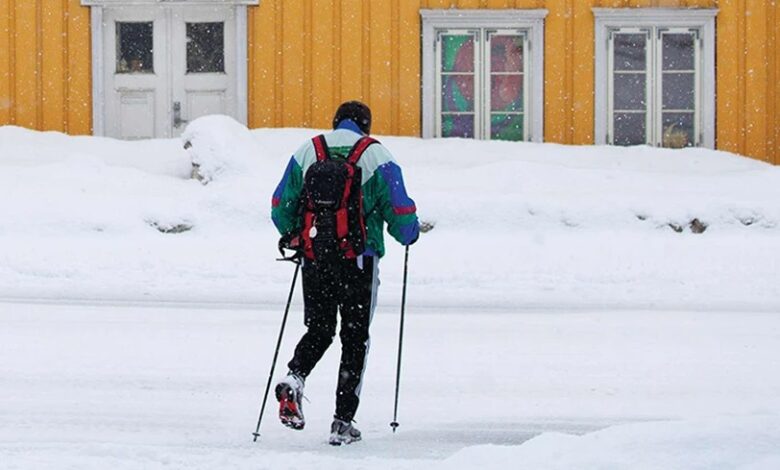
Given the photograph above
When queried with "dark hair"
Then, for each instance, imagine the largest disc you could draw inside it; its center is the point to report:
(355, 111)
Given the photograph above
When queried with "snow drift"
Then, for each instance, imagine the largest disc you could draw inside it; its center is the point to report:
(516, 224)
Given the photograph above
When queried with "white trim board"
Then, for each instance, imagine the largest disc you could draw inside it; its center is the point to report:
(531, 20)
(700, 18)
(113, 3)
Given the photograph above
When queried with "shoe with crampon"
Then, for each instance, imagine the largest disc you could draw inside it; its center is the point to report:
(289, 392)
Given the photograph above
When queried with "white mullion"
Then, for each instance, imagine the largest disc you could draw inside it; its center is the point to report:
(482, 93)
(526, 82)
(697, 66)
(438, 80)
(611, 88)
(477, 34)
(655, 73)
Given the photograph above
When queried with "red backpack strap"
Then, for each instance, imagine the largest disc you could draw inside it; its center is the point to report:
(321, 148)
(359, 148)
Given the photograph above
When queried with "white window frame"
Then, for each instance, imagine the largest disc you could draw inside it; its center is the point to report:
(530, 22)
(656, 19)
(98, 84)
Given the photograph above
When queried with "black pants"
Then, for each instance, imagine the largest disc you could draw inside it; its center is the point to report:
(348, 288)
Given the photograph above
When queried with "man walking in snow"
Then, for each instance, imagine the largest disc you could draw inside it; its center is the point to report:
(336, 195)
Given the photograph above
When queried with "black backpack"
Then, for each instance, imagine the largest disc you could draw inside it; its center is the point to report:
(332, 202)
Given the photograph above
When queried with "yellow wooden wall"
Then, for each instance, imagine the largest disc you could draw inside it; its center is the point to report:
(306, 56)
(45, 65)
(748, 88)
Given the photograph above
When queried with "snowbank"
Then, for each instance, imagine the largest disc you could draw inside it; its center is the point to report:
(724, 442)
(516, 224)
(218, 145)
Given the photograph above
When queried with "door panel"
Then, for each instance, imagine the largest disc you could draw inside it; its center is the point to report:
(135, 72)
(204, 62)
(136, 114)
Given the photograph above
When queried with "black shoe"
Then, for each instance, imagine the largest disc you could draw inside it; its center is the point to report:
(342, 432)
(289, 392)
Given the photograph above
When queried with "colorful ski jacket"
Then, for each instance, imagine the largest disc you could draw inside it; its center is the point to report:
(384, 194)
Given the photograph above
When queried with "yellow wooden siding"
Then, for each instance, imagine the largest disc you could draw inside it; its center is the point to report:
(45, 65)
(371, 51)
(748, 86)
(306, 56)
(6, 62)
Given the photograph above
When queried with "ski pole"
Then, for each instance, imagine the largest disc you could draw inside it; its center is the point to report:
(278, 344)
(395, 424)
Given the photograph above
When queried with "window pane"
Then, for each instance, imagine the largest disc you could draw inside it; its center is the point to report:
(678, 130)
(135, 50)
(457, 93)
(630, 129)
(457, 53)
(506, 93)
(506, 53)
(506, 127)
(205, 47)
(678, 51)
(630, 51)
(461, 125)
(629, 91)
(678, 91)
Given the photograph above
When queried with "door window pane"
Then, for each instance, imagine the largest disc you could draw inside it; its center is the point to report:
(205, 47)
(134, 47)
(630, 51)
(630, 129)
(507, 127)
(630, 90)
(678, 51)
(457, 125)
(678, 130)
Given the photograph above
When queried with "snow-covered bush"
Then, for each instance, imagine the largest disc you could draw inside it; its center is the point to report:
(218, 146)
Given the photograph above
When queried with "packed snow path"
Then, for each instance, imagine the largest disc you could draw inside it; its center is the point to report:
(151, 387)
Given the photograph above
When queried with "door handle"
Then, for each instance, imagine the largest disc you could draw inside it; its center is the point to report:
(177, 120)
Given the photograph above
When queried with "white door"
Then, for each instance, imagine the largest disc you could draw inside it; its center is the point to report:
(165, 66)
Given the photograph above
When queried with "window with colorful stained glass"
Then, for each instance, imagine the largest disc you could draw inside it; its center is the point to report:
(481, 83)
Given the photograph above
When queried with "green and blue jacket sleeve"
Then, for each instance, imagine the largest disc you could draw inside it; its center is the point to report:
(398, 209)
(286, 199)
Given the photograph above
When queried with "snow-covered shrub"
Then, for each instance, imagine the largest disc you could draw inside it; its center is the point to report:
(218, 146)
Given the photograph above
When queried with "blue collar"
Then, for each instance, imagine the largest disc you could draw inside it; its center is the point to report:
(349, 124)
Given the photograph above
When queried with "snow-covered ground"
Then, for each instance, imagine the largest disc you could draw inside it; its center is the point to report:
(563, 313)
(96, 387)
